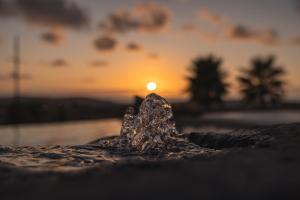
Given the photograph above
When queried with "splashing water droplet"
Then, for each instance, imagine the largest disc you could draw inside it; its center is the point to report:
(152, 129)
(127, 127)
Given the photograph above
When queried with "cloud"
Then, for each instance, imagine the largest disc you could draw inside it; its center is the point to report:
(52, 38)
(53, 13)
(237, 32)
(211, 17)
(119, 21)
(132, 46)
(244, 33)
(145, 17)
(105, 43)
(59, 63)
(11, 76)
(207, 36)
(240, 31)
(6, 9)
(152, 17)
(99, 63)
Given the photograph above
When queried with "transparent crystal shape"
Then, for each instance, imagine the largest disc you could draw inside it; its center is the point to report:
(127, 128)
(152, 129)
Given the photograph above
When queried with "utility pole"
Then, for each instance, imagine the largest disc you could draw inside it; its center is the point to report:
(16, 76)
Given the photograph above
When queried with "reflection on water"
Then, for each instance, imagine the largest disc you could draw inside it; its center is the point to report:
(81, 132)
(257, 117)
(59, 133)
(16, 136)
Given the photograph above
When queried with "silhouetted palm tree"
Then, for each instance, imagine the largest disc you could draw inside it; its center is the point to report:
(261, 84)
(206, 83)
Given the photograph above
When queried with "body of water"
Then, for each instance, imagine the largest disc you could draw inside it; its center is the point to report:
(257, 117)
(67, 133)
(81, 132)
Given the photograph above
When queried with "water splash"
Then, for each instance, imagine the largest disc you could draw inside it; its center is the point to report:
(149, 135)
(152, 129)
(127, 128)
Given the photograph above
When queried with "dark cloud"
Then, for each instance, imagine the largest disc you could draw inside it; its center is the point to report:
(6, 9)
(241, 32)
(105, 43)
(132, 46)
(59, 63)
(52, 38)
(10, 76)
(53, 13)
(99, 63)
(143, 17)
(119, 21)
(152, 17)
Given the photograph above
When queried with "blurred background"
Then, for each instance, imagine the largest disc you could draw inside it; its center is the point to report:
(69, 68)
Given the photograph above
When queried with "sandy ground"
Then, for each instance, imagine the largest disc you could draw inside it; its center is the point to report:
(268, 172)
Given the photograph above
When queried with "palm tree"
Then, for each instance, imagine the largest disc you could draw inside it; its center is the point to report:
(262, 84)
(206, 82)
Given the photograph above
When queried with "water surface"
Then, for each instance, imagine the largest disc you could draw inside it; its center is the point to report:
(81, 132)
(257, 117)
(66, 133)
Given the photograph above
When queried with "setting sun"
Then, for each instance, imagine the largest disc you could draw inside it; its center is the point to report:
(151, 86)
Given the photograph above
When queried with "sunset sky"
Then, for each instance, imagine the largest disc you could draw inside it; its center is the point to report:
(112, 48)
